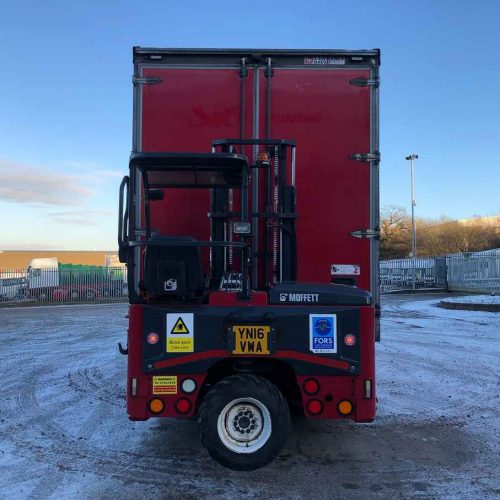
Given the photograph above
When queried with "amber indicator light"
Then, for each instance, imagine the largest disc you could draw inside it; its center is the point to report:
(156, 405)
(345, 407)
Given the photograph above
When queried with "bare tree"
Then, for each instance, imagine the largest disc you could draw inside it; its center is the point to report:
(435, 236)
(395, 230)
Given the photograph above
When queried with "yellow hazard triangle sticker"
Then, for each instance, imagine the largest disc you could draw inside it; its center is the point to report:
(180, 332)
(179, 327)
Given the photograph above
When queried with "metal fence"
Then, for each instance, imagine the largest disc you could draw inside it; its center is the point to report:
(408, 274)
(70, 284)
(474, 272)
(464, 272)
(468, 272)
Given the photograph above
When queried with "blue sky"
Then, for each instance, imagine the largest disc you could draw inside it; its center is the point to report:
(65, 119)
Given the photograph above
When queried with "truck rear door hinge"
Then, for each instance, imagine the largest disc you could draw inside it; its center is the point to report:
(138, 80)
(365, 82)
(366, 233)
(366, 156)
(243, 68)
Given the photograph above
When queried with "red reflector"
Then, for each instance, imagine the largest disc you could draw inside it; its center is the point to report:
(349, 339)
(311, 386)
(183, 405)
(314, 407)
(153, 338)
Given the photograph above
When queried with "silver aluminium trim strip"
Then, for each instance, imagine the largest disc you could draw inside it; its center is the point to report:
(375, 197)
(189, 66)
(255, 178)
(137, 147)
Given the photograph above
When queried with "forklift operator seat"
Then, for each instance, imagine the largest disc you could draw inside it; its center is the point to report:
(172, 271)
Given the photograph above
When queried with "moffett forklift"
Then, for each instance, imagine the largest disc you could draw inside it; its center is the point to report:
(221, 326)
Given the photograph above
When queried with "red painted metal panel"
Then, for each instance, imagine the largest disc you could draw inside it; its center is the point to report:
(350, 388)
(329, 119)
(185, 112)
(136, 405)
(231, 299)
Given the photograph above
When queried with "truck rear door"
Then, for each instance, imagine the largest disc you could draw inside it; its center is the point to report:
(182, 105)
(321, 106)
(326, 101)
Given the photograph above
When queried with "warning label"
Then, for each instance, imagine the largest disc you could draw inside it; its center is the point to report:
(180, 332)
(179, 327)
(165, 385)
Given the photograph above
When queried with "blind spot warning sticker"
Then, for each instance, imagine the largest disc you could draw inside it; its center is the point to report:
(179, 327)
(165, 385)
(180, 332)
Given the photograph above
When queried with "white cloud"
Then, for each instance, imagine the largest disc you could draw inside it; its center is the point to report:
(81, 217)
(21, 183)
(96, 170)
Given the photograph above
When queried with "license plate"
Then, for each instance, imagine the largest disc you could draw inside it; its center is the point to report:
(251, 339)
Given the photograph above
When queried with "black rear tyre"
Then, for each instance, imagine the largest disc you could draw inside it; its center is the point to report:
(243, 422)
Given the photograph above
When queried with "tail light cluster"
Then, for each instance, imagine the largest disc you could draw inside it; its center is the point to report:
(311, 386)
(156, 405)
(345, 407)
(315, 405)
(188, 385)
(349, 340)
(133, 386)
(183, 405)
(153, 338)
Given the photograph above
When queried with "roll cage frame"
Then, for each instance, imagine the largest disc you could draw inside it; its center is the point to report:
(223, 171)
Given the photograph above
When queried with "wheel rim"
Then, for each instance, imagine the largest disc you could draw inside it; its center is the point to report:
(244, 425)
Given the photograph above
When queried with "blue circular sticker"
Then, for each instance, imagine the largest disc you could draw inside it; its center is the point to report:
(323, 326)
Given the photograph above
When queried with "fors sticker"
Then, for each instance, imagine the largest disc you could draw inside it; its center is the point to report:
(323, 333)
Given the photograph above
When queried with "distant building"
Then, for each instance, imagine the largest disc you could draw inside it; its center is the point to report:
(493, 220)
(20, 259)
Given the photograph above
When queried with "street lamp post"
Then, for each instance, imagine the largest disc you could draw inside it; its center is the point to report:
(413, 227)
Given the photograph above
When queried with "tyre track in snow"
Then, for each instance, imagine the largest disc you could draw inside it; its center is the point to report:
(49, 442)
(73, 454)
(67, 420)
(29, 404)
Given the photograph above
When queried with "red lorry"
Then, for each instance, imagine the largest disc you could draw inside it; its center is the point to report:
(249, 223)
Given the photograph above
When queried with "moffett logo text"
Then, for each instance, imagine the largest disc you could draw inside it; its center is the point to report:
(299, 297)
(323, 333)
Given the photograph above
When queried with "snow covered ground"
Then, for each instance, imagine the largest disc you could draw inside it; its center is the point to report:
(65, 434)
(476, 299)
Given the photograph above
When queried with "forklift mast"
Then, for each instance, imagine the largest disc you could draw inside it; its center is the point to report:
(275, 259)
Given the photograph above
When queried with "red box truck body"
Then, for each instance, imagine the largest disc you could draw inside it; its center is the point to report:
(302, 126)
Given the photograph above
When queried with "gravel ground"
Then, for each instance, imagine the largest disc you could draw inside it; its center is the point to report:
(65, 434)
